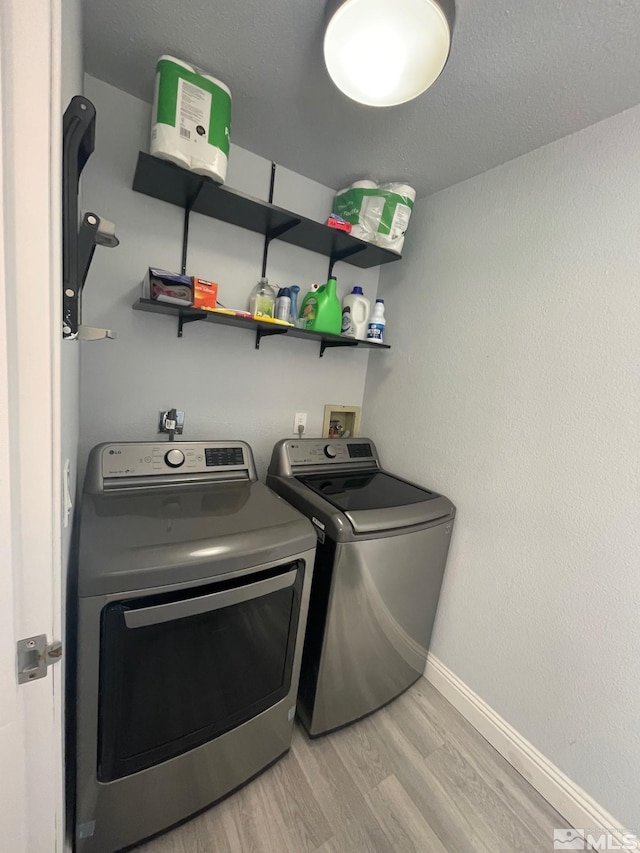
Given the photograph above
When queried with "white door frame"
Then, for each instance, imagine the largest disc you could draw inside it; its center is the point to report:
(30, 420)
(13, 798)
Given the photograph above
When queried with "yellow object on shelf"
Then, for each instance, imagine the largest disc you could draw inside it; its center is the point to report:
(230, 312)
(273, 320)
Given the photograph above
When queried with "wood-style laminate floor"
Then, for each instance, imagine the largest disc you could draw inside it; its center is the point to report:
(415, 776)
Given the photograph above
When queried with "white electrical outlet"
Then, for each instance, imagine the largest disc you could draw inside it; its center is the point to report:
(300, 420)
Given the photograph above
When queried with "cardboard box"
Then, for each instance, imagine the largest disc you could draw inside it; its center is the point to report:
(176, 289)
(205, 293)
(167, 287)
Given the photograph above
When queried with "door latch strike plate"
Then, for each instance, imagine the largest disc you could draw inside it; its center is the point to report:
(35, 656)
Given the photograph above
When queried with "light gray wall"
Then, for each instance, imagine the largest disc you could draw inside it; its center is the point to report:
(226, 387)
(512, 386)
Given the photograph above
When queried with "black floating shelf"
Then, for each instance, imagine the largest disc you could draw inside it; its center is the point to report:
(262, 330)
(166, 181)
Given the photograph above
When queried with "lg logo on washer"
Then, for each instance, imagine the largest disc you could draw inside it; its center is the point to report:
(115, 453)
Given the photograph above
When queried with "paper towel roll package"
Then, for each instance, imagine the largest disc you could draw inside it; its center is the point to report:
(398, 204)
(378, 213)
(191, 118)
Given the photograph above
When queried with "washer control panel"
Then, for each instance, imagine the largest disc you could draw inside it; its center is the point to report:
(312, 451)
(141, 459)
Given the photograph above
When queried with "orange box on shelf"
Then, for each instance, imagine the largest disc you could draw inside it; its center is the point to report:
(205, 293)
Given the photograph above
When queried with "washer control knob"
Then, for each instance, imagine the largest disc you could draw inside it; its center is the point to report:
(174, 458)
(330, 452)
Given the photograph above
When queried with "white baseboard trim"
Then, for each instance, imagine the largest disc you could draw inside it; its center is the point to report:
(574, 804)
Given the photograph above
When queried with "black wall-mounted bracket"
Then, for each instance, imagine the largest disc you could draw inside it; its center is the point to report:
(270, 234)
(78, 245)
(264, 331)
(183, 319)
(326, 344)
(341, 256)
(267, 333)
(185, 230)
(274, 233)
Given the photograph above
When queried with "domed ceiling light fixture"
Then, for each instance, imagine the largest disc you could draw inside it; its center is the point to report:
(386, 52)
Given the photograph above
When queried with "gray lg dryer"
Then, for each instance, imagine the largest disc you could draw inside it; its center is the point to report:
(382, 549)
(193, 582)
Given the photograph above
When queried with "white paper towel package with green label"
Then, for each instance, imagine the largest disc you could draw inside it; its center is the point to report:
(191, 118)
(378, 214)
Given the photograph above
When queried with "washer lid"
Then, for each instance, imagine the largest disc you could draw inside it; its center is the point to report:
(365, 490)
(144, 539)
(374, 501)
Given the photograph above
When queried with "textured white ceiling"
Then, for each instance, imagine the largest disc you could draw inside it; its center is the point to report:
(521, 74)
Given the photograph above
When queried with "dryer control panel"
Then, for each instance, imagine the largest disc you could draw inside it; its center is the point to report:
(120, 464)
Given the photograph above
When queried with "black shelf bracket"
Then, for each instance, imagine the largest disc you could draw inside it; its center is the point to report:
(325, 344)
(78, 245)
(341, 256)
(273, 234)
(261, 332)
(183, 319)
(185, 228)
(278, 231)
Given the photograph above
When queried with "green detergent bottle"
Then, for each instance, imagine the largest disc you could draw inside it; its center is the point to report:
(321, 311)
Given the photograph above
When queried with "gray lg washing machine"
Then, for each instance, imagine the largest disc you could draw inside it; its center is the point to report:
(193, 583)
(382, 549)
